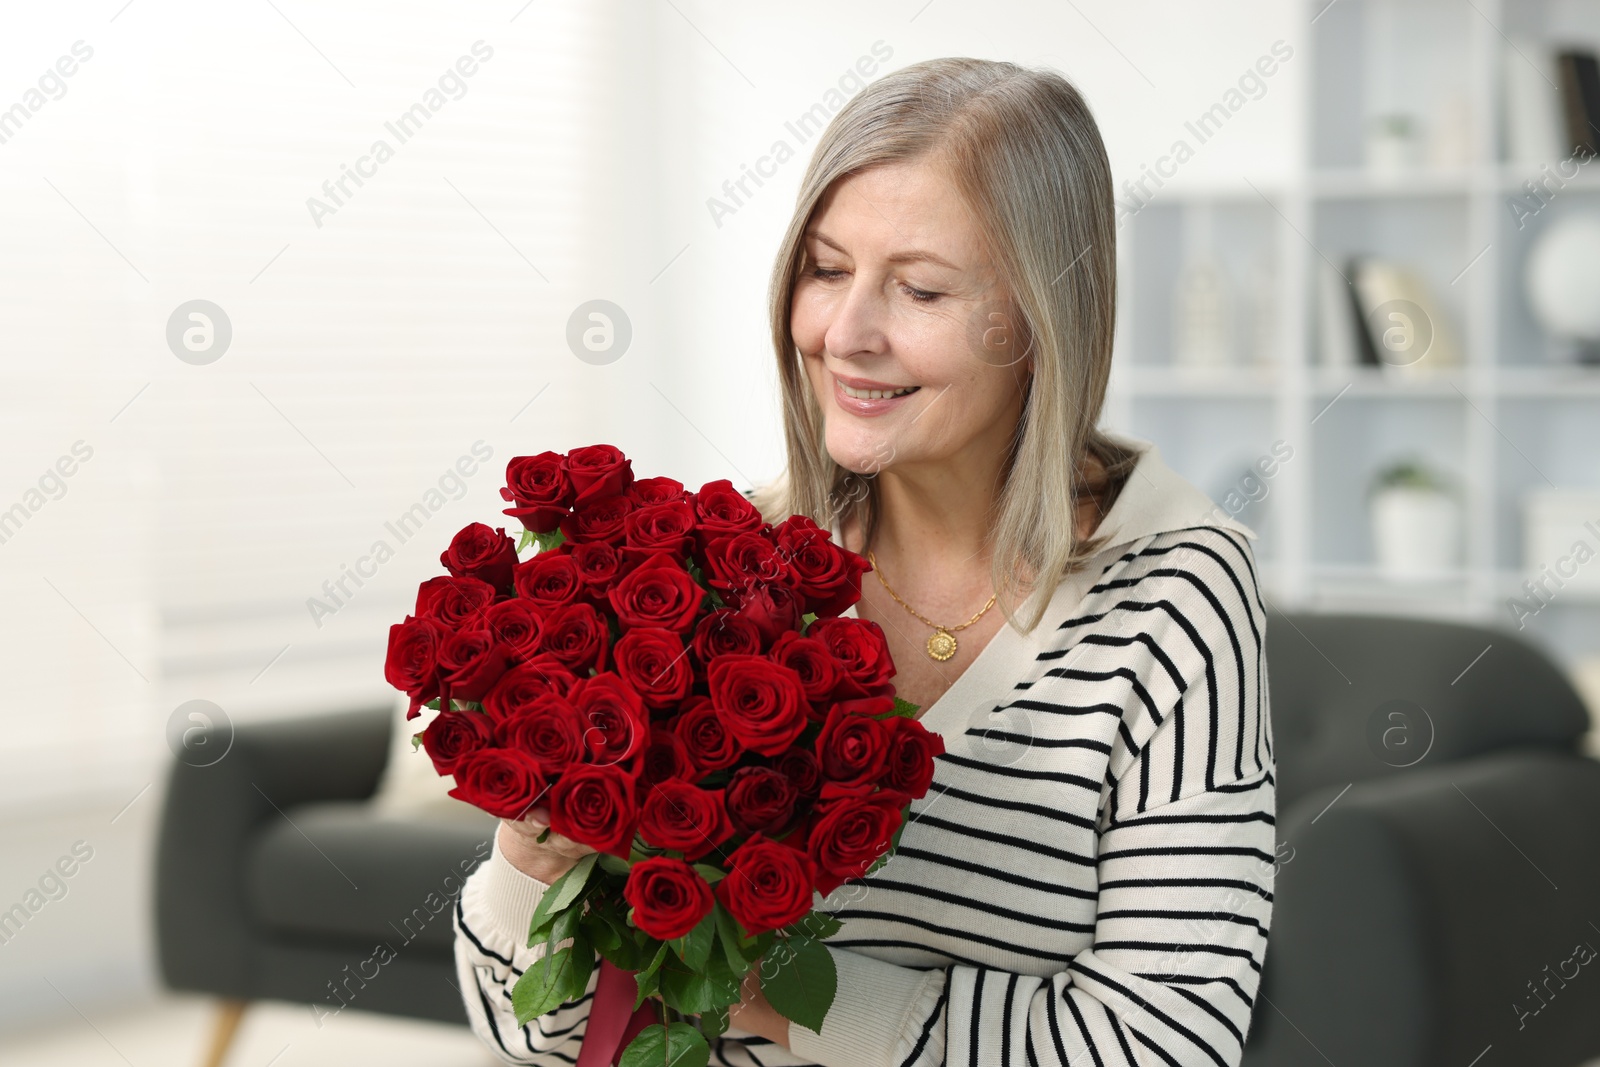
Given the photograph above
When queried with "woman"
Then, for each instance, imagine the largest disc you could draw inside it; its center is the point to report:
(1092, 869)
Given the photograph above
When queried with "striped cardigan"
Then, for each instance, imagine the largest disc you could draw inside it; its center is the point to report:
(1089, 879)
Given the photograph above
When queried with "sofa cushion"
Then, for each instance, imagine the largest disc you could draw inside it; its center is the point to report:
(339, 869)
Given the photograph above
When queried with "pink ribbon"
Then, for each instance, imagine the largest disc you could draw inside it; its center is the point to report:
(612, 1021)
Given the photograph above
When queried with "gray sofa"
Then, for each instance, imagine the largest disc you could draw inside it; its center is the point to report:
(1416, 898)
(1412, 913)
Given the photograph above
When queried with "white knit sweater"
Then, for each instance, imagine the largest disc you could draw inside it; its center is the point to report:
(1089, 879)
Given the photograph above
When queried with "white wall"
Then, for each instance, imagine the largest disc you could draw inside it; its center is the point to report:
(371, 352)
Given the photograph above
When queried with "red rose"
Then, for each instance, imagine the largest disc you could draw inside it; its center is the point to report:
(800, 766)
(503, 782)
(451, 602)
(664, 758)
(669, 897)
(482, 553)
(539, 487)
(525, 683)
(723, 631)
(412, 665)
(862, 652)
(594, 805)
(707, 740)
(646, 491)
(658, 592)
(910, 763)
(852, 746)
(767, 887)
(470, 663)
(597, 471)
(601, 520)
(550, 579)
(827, 576)
(618, 726)
(722, 511)
(740, 563)
(762, 703)
(455, 734)
(850, 834)
(548, 728)
(517, 624)
(599, 566)
(775, 610)
(665, 528)
(819, 672)
(760, 800)
(578, 637)
(684, 817)
(653, 661)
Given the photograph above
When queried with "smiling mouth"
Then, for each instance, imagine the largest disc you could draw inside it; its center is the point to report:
(876, 394)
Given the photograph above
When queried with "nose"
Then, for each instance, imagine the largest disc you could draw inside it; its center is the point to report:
(857, 325)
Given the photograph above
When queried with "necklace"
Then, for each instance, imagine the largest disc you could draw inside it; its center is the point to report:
(942, 644)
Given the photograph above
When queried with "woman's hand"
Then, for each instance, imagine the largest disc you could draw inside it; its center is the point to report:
(545, 861)
(754, 1015)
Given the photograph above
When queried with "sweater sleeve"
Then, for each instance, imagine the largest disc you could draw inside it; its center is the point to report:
(1171, 977)
(1185, 864)
(491, 927)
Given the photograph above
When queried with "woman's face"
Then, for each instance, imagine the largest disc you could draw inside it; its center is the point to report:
(897, 293)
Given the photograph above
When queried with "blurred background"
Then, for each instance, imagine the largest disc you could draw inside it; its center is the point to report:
(282, 283)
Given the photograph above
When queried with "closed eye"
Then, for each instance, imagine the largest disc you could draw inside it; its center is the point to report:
(922, 296)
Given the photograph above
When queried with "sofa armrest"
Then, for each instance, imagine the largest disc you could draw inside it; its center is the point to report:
(203, 934)
(1411, 915)
(1413, 912)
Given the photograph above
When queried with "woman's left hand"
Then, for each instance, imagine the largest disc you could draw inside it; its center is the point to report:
(754, 1015)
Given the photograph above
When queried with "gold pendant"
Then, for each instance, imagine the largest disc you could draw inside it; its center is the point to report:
(942, 645)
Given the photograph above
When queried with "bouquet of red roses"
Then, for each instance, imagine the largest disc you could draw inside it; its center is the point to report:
(670, 675)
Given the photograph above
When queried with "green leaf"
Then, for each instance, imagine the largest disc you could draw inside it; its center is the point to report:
(673, 1045)
(552, 980)
(432, 705)
(817, 924)
(732, 940)
(648, 979)
(695, 946)
(614, 864)
(693, 993)
(714, 1022)
(725, 981)
(905, 709)
(559, 927)
(525, 540)
(606, 937)
(806, 620)
(684, 990)
(416, 741)
(547, 541)
(711, 874)
(801, 981)
(562, 892)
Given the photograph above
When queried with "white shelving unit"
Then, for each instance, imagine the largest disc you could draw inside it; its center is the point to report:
(1513, 417)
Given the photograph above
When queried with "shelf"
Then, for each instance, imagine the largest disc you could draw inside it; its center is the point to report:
(1241, 382)
(1510, 177)
(1548, 383)
(1386, 382)
(1357, 183)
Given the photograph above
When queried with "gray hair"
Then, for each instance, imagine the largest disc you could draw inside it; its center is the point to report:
(1023, 150)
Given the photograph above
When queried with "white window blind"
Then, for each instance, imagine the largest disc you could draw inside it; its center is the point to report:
(385, 337)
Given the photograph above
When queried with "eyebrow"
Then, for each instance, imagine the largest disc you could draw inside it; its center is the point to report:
(915, 255)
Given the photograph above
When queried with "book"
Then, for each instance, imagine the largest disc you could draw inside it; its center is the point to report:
(1580, 100)
(1402, 327)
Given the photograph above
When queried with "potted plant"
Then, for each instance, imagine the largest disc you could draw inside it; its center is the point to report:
(1416, 522)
